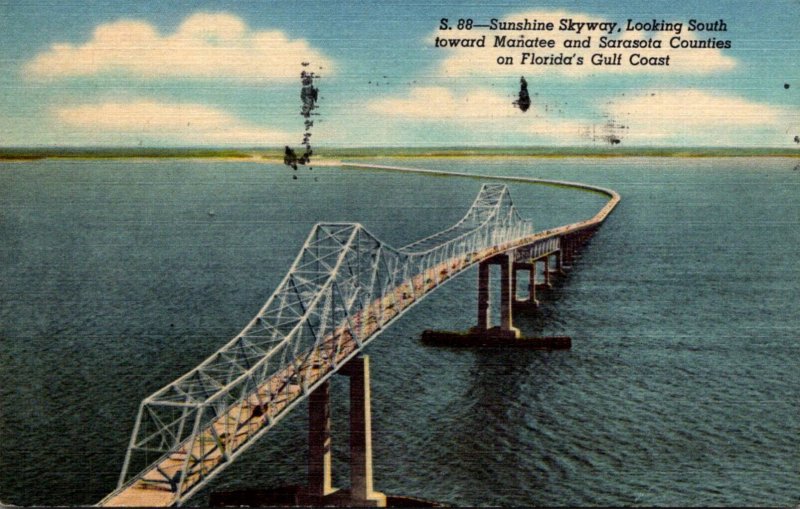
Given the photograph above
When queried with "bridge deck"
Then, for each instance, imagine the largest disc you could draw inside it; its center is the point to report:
(242, 423)
(154, 489)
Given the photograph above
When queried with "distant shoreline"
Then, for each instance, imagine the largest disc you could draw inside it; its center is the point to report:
(271, 155)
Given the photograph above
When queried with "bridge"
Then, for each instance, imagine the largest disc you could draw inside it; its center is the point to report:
(343, 289)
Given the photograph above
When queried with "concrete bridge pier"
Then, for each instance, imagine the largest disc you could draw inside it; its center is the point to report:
(361, 488)
(504, 334)
(530, 268)
(506, 313)
(507, 275)
(568, 251)
(319, 444)
(319, 491)
(559, 259)
(532, 286)
(571, 244)
(484, 304)
(547, 282)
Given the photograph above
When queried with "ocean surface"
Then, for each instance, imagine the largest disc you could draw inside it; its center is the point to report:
(682, 386)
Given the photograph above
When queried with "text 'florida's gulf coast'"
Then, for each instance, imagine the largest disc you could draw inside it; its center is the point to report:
(570, 33)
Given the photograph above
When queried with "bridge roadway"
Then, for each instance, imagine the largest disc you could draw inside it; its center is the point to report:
(179, 462)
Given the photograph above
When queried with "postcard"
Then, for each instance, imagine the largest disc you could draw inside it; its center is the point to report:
(399, 253)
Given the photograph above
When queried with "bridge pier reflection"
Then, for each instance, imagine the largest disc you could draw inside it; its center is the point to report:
(319, 490)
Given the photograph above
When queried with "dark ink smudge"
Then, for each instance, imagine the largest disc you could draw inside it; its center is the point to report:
(523, 101)
(309, 95)
(290, 157)
(613, 131)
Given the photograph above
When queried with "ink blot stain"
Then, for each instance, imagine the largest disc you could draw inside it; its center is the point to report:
(523, 101)
(797, 139)
(309, 95)
(786, 86)
(613, 131)
(290, 157)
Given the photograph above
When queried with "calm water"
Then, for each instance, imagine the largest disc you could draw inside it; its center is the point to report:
(682, 386)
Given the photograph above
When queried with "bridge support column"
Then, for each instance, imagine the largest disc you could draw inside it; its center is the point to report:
(530, 268)
(361, 488)
(484, 310)
(514, 270)
(547, 272)
(319, 491)
(506, 313)
(504, 335)
(532, 286)
(319, 443)
(507, 296)
(567, 248)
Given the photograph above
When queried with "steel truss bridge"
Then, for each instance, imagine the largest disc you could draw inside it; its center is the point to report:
(343, 289)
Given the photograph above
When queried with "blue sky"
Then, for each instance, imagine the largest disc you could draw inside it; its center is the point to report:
(209, 73)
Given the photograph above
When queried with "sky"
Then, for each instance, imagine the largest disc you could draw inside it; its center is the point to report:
(227, 74)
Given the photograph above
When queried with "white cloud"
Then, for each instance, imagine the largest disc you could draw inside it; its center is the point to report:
(473, 61)
(686, 116)
(482, 110)
(566, 131)
(441, 103)
(165, 122)
(205, 45)
(696, 115)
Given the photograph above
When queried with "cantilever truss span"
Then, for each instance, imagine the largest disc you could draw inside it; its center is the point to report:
(343, 288)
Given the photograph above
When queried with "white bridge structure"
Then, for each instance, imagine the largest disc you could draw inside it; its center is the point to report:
(343, 289)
